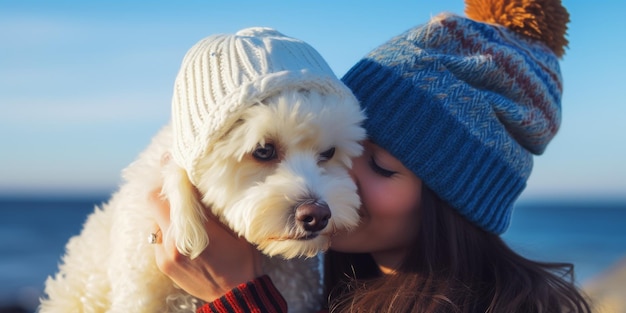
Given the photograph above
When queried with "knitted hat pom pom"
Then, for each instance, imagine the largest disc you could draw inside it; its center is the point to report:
(543, 20)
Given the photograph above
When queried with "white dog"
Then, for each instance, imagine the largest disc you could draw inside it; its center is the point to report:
(264, 133)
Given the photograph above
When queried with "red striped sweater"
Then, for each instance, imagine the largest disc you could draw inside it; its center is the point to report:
(257, 296)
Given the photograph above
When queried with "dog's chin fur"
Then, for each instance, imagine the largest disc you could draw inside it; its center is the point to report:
(110, 267)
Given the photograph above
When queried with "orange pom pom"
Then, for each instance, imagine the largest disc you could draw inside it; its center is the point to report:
(544, 20)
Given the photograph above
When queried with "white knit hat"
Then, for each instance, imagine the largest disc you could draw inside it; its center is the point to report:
(223, 74)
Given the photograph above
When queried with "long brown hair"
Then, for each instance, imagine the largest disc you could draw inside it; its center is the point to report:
(453, 266)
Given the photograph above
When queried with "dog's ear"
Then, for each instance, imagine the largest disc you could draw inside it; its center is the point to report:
(186, 211)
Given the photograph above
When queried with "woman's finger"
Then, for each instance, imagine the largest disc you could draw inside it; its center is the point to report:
(160, 209)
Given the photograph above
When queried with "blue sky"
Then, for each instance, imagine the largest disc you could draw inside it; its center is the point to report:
(85, 85)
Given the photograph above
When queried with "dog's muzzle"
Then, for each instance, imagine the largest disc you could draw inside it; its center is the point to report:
(312, 215)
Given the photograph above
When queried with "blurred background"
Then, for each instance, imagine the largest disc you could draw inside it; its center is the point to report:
(85, 85)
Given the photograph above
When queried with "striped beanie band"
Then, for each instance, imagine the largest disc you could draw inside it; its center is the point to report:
(465, 102)
(224, 74)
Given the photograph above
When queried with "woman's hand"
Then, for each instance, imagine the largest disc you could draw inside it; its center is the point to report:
(227, 261)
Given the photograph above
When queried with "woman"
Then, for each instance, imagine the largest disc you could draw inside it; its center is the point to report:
(456, 108)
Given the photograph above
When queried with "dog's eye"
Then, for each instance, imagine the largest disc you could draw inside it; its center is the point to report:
(327, 155)
(266, 153)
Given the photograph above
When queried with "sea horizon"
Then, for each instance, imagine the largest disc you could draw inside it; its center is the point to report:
(34, 228)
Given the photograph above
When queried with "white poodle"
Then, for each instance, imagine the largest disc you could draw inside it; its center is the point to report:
(262, 134)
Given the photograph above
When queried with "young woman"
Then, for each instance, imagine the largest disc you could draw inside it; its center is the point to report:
(456, 108)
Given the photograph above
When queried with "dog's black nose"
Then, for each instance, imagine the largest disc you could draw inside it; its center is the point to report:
(313, 216)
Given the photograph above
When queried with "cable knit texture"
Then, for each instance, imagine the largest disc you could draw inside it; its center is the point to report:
(223, 74)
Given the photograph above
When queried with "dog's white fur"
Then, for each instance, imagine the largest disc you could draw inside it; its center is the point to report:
(110, 266)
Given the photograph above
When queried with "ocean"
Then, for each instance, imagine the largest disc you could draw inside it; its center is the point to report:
(33, 233)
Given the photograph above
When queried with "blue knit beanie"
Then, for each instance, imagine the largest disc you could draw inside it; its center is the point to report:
(465, 102)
